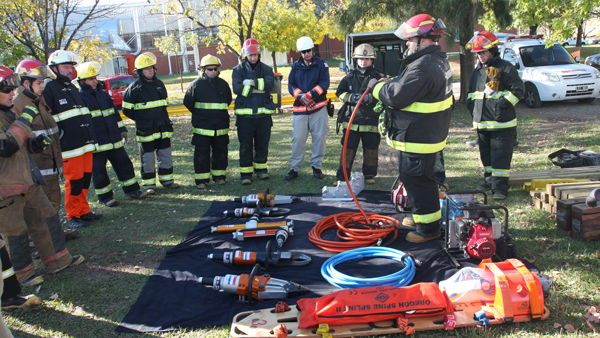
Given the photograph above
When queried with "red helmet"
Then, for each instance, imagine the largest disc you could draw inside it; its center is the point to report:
(34, 69)
(251, 46)
(9, 79)
(482, 41)
(423, 26)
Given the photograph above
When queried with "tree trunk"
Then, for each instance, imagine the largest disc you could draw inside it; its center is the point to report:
(274, 62)
(533, 30)
(579, 34)
(467, 63)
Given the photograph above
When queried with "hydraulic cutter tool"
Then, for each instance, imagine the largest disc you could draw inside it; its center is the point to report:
(266, 259)
(255, 286)
(266, 200)
(252, 224)
(281, 233)
(248, 212)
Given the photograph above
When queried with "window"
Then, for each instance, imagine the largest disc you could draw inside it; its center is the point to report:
(121, 83)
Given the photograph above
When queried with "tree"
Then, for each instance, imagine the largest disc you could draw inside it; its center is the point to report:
(169, 45)
(11, 51)
(43, 26)
(277, 29)
(89, 48)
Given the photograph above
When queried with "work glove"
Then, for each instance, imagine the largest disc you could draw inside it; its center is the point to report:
(29, 114)
(307, 100)
(489, 91)
(40, 142)
(356, 98)
(124, 137)
(248, 82)
(368, 99)
(592, 199)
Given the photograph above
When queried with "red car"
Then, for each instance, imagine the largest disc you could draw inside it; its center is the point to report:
(115, 85)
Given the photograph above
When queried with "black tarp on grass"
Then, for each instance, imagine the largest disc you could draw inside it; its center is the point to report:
(172, 299)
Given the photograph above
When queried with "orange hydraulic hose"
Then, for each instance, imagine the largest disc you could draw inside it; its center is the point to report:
(358, 230)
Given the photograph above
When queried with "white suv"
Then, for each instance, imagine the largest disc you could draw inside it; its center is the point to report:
(550, 74)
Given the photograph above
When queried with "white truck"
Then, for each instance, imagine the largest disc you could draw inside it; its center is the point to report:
(550, 74)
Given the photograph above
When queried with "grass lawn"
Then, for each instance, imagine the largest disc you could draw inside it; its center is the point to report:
(124, 248)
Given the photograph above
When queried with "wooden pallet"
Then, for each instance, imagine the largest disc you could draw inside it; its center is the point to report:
(547, 200)
(518, 178)
(260, 323)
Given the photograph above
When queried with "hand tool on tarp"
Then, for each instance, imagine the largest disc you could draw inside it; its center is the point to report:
(252, 224)
(254, 286)
(280, 233)
(249, 212)
(267, 259)
(266, 199)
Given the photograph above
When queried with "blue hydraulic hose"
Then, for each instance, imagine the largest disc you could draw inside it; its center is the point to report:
(397, 279)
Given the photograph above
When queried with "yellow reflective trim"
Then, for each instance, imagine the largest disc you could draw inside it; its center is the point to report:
(342, 96)
(165, 177)
(150, 104)
(150, 181)
(248, 111)
(376, 90)
(202, 176)
(476, 95)
(500, 172)
(127, 105)
(103, 190)
(246, 169)
(129, 182)
(120, 124)
(434, 107)
(246, 90)
(96, 113)
(70, 113)
(259, 165)
(205, 105)
(418, 148)
(510, 97)
(8, 272)
(108, 112)
(218, 172)
(362, 128)
(495, 125)
(79, 151)
(208, 132)
(428, 218)
(261, 84)
(149, 138)
(488, 169)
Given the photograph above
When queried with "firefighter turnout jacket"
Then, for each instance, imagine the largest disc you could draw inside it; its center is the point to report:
(366, 120)
(50, 160)
(146, 102)
(108, 125)
(208, 99)
(253, 101)
(498, 110)
(420, 101)
(72, 117)
(313, 79)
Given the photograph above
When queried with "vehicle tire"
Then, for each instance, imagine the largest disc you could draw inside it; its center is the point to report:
(532, 97)
(588, 100)
(566, 44)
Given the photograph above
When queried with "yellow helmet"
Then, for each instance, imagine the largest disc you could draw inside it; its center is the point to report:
(209, 60)
(144, 60)
(87, 70)
(364, 51)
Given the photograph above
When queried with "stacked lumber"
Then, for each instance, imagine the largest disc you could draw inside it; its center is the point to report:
(547, 199)
(518, 178)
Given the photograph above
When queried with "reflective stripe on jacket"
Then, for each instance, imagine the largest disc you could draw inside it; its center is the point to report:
(208, 99)
(253, 101)
(356, 83)
(420, 102)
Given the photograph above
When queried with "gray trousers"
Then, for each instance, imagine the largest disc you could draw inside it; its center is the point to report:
(318, 125)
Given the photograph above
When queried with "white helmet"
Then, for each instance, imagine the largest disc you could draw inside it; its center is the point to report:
(304, 43)
(62, 56)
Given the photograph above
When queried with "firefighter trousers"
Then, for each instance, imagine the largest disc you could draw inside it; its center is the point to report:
(496, 150)
(52, 190)
(254, 135)
(32, 215)
(417, 174)
(78, 176)
(204, 165)
(162, 148)
(370, 143)
(8, 287)
(122, 166)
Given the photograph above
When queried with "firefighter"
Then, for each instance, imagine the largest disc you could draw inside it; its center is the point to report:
(308, 83)
(24, 208)
(10, 287)
(364, 125)
(77, 141)
(252, 82)
(111, 134)
(208, 98)
(145, 102)
(418, 105)
(494, 89)
(50, 162)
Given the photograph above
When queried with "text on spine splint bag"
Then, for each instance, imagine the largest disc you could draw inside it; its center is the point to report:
(374, 304)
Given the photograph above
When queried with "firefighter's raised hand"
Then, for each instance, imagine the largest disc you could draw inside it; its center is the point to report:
(40, 142)
(124, 137)
(372, 83)
(248, 82)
